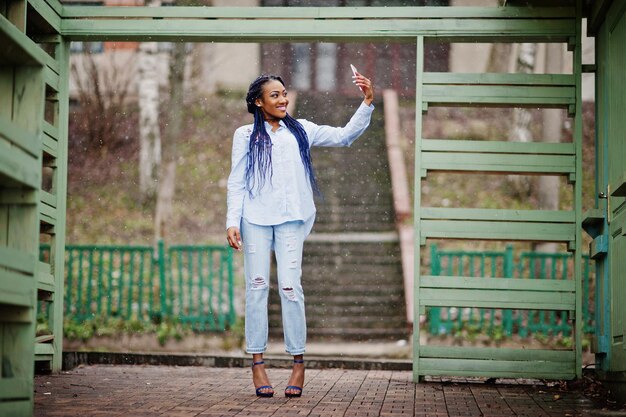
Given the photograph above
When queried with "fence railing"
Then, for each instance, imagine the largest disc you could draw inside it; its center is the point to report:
(193, 284)
(504, 264)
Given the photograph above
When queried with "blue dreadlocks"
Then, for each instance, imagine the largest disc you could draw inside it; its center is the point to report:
(260, 147)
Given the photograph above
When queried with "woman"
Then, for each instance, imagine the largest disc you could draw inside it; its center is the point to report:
(270, 207)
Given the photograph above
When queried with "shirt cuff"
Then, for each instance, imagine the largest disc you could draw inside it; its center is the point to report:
(369, 108)
(233, 223)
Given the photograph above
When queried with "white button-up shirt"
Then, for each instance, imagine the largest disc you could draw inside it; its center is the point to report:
(287, 196)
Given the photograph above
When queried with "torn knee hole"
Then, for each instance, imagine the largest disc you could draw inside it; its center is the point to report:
(289, 293)
(258, 282)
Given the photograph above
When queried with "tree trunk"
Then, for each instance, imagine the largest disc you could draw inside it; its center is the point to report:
(499, 57)
(547, 190)
(149, 134)
(167, 171)
(522, 118)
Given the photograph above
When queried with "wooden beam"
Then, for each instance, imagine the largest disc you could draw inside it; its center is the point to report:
(258, 24)
(70, 11)
(503, 215)
(496, 230)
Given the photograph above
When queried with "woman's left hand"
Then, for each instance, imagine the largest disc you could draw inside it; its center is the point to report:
(366, 87)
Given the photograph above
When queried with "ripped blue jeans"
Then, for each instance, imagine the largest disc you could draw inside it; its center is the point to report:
(287, 240)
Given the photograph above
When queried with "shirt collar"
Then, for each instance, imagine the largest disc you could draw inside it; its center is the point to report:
(268, 126)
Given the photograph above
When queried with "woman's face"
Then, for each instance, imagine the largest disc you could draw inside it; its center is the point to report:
(273, 101)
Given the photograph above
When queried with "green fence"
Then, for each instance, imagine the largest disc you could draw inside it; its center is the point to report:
(193, 284)
(504, 264)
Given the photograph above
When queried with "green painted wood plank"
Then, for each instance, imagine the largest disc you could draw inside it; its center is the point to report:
(499, 79)
(51, 78)
(28, 99)
(498, 163)
(17, 260)
(505, 354)
(45, 282)
(17, 196)
(44, 267)
(48, 211)
(50, 130)
(417, 203)
(19, 166)
(45, 279)
(512, 369)
(509, 231)
(47, 12)
(47, 287)
(17, 408)
(7, 74)
(46, 38)
(52, 64)
(60, 187)
(260, 30)
(56, 6)
(50, 145)
(319, 12)
(47, 198)
(43, 349)
(48, 214)
(16, 314)
(13, 388)
(482, 146)
(27, 141)
(500, 298)
(512, 284)
(541, 96)
(578, 192)
(508, 215)
(17, 289)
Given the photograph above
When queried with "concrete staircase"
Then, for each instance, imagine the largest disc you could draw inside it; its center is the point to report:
(352, 271)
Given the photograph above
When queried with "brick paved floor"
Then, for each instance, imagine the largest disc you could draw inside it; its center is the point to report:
(146, 391)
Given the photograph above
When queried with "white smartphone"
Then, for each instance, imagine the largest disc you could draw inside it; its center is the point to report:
(354, 71)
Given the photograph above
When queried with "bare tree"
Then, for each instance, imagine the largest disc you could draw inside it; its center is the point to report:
(520, 131)
(547, 189)
(173, 131)
(499, 55)
(102, 93)
(167, 171)
(149, 133)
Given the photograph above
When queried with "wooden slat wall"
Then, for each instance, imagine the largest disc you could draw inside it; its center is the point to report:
(52, 205)
(504, 158)
(21, 107)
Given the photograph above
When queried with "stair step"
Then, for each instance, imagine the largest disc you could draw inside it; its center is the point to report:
(346, 262)
(368, 325)
(346, 281)
(347, 227)
(362, 334)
